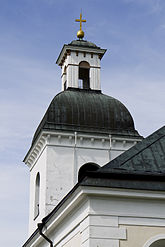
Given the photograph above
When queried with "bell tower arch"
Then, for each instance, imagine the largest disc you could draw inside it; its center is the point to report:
(84, 75)
(80, 64)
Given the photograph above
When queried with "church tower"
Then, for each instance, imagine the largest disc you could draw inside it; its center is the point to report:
(81, 128)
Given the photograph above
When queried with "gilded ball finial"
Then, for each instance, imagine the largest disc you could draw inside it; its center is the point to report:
(80, 33)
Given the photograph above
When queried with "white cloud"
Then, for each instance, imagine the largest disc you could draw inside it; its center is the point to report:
(24, 96)
(162, 26)
(152, 6)
(142, 95)
(14, 204)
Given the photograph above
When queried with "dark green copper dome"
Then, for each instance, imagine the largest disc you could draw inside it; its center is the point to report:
(83, 43)
(88, 111)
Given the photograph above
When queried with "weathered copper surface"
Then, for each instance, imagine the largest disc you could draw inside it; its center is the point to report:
(87, 111)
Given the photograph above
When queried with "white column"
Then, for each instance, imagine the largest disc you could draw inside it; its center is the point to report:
(95, 78)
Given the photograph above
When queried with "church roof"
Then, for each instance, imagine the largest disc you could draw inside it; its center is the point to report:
(147, 156)
(88, 111)
(83, 43)
(141, 167)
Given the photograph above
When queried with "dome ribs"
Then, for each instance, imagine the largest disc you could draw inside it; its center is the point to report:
(89, 111)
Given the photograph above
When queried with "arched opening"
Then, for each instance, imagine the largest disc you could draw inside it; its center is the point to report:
(64, 78)
(90, 166)
(84, 69)
(37, 196)
(158, 243)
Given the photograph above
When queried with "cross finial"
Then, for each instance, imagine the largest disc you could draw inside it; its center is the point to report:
(80, 33)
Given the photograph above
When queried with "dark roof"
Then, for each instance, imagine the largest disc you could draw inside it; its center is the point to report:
(83, 43)
(146, 156)
(87, 111)
(141, 167)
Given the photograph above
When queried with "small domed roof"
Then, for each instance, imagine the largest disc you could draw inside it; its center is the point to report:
(83, 43)
(87, 111)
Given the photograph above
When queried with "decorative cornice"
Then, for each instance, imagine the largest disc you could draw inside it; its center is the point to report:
(70, 48)
(85, 141)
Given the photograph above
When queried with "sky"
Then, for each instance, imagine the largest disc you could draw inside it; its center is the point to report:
(32, 33)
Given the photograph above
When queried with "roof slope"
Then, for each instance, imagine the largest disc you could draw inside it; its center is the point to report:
(146, 156)
(140, 167)
(83, 43)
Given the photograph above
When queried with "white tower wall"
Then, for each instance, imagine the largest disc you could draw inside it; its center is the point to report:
(40, 166)
(58, 162)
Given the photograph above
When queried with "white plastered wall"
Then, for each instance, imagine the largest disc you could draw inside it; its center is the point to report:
(59, 163)
(60, 171)
(40, 167)
(140, 235)
(108, 217)
(141, 218)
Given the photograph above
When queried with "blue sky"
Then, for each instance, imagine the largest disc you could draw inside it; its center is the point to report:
(32, 33)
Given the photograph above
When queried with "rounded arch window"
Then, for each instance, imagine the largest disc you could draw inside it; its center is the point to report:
(156, 241)
(90, 166)
(37, 196)
(84, 69)
(65, 77)
(84, 64)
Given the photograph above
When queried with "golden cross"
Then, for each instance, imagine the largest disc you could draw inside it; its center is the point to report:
(80, 20)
